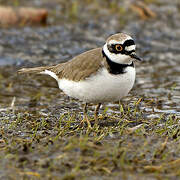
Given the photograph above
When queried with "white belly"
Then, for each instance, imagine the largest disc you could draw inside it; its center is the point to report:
(102, 87)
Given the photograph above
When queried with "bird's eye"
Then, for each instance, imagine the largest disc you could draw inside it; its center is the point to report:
(118, 47)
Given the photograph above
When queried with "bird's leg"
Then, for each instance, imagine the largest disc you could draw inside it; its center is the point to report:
(85, 117)
(96, 112)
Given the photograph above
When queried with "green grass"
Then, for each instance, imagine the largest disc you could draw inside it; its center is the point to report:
(50, 147)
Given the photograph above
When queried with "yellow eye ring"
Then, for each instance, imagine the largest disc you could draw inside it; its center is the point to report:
(118, 47)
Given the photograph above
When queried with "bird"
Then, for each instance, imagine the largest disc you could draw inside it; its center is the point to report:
(103, 74)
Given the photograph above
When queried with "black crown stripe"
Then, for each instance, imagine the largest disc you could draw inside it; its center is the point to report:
(128, 43)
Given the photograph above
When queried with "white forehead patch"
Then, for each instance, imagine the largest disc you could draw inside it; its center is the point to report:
(130, 48)
(119, 42)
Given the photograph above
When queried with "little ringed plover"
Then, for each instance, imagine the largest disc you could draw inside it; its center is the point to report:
(104, 74)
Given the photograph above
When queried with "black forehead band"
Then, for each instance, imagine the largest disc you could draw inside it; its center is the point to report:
(112, 47)
(129, 42)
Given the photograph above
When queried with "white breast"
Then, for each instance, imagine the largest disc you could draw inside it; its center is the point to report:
(101, 87)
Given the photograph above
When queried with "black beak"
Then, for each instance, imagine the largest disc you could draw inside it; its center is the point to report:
(134, 56)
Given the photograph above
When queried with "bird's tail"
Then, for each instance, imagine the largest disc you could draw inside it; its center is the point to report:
(36, 70)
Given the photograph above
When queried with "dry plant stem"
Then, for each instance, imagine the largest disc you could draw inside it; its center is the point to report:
(96, 112)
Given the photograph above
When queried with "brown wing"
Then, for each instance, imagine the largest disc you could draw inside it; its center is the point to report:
(81, 66)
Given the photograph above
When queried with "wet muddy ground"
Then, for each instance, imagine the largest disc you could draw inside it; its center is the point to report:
(137, 138)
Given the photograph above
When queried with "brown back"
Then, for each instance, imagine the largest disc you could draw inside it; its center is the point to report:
(81, 66)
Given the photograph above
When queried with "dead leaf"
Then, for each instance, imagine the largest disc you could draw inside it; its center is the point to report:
(142, 9)
(31, 173)
(153, 168)
(22, 15)
(133, 129)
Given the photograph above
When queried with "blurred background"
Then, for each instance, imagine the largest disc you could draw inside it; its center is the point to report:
(43, 32)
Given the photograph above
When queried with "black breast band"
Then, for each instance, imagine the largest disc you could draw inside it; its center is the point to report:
(116, 68)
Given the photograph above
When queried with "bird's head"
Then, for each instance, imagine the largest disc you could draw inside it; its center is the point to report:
(120, 48)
